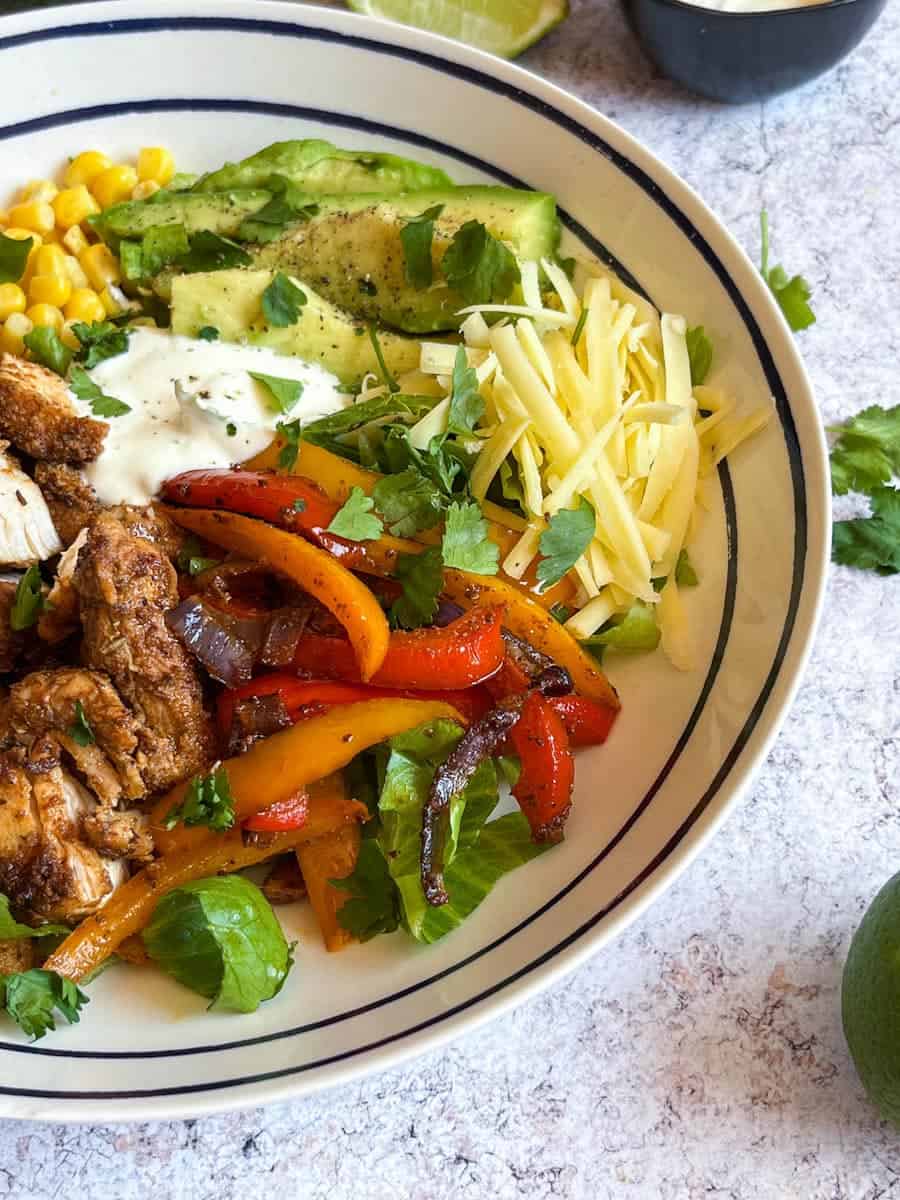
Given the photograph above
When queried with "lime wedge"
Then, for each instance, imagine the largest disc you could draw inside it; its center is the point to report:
(504, 27)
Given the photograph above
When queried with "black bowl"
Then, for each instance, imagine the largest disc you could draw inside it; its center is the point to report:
(747, 56)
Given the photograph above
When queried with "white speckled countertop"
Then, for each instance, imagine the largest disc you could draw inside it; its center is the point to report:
(701, 1055)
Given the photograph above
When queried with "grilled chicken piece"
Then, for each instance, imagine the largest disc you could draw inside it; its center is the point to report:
(16, 954)
(37, 414)
(126, 585)
(27, 533)
(43, 703)
(70, 498)
(11, 642)
(46, 867)
(60, 617)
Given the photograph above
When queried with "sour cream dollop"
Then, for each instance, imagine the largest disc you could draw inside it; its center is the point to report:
(193, 404)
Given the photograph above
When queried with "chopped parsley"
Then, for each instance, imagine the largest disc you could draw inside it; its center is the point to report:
(288, 203)
(13, 257)
(867, 451)
(685, 575)
(231, 429)
(466, 544)
(568, 534)
(409, 502)
(190, 559)
(283, 393)
(101, 404)
(99, 340)
(700, 353)
(421, 577)
(210, 252)
(871, 543)
(478, 266)
(417, 237)
(289, 452)
(466, 405)
(355, 521)
(32, 997)
(282, 301)
(208, 801)
(80, 730)
(48, 349)
(793, 294)
(28, 603)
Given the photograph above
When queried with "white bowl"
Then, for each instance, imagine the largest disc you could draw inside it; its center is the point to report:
(216, 79)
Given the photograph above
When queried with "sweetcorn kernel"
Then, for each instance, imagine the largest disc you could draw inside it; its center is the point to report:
(45, 314)
(156, 163)
(38, 189)
(12, 300)
(145, 190)
(4, 217)
(84, 305)
(75, 241)
(85, 167)
(35, 215)
(75, 272)
(50, 260)
(12, 336)
(53, 290)
(114, 185)
(74, 205)
(100, 265)
(111, 305)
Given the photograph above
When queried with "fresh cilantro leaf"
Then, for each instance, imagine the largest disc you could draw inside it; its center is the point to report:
(99, 340)
(210, 252)
(867, 453)
(637, 631)
(289, 452)
(417, 237)
(685, 575)
(283, 393)
(421, 576)
(47, 349)
(700, 352)
(30, 998)
(354, 416)
(28, 603)
(793, 294)
(13, 257)
(568, 534)
(409, 502)
(190, 559)
(288, 203)
(466, 405)
(282, 301)
(466, 544)
(579, 328)
(481, 268)
(101, 404)
(208, 333)
(374, 906)
(390, 381)
(445, 462)
(871, 543)
(80, 730)
(507, 487)
(355, 521)
(12, 931)
(208, 801)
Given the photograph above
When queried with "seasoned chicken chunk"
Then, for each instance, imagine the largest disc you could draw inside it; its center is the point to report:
(47, 869)
(16, 954)
(125, 586)
(60, 617)
(11, 642)
(37, 414)
(27, 533)
(70, 498)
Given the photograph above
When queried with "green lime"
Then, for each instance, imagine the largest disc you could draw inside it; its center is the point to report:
(504, 27)
(871, 1000)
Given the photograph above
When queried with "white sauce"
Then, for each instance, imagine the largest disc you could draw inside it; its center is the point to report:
(747, 6)
(185, 395)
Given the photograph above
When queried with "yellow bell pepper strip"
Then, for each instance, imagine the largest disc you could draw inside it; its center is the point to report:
(337, 477)
(529, 621)
(131, 907)
(315, 570)
(284, 763)
(332, 856)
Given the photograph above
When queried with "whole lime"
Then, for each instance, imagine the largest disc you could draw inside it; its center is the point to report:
(870, 1000)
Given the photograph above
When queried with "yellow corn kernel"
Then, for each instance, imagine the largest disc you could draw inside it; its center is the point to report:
(114, 185)
(38, 189)
(74, 205)
(156, 163)
(75, 272)
(15, 327)
(84, 305)
(50, 260)
(45, 314)
(4, 217)
(12, 300)
(54, 290)
(145, 190)
(75, 241)
(111, 305)
(100, 265)
(68, 336)
(85, 167)
(35, 215)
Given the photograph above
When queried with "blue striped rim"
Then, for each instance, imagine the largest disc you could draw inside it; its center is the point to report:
(782, 406)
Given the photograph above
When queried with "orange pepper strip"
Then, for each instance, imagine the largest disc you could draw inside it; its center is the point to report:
(336, 476)
(316, 571)
(533, 624)
(332, 856)
(282, 764)
(131, 907)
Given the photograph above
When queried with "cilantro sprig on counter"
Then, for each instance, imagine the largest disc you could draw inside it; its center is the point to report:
(792, 293)
(865, 459)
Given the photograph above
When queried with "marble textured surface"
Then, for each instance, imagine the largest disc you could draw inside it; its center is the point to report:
(701, 1055)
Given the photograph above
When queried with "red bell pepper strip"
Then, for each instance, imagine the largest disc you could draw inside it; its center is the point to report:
(282, 816)
(308, 697)
(587, 723)
(510, 680)
(544, 789)
(286, 500)
(462, 654)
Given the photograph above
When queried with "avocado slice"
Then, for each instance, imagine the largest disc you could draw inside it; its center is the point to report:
(220, 212)
(318, 166)
(231, 301)
(350, 251)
